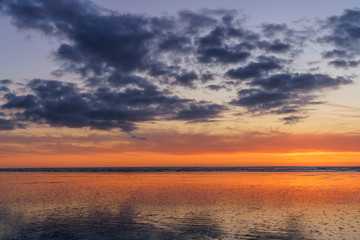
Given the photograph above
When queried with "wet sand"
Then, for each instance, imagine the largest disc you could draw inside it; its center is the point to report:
(177, 205)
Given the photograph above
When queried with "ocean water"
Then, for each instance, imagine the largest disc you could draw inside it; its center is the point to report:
(180, 205)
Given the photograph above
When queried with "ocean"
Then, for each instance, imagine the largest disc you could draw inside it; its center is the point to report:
(180, 203)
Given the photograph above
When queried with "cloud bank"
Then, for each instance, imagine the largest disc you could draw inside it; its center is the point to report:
(132, 67)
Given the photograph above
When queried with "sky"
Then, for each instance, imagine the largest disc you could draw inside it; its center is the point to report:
(193, 83)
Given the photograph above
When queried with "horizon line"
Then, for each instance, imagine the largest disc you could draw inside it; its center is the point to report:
(189, 169)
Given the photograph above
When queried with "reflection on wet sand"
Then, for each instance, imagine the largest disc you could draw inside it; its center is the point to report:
(179, 205)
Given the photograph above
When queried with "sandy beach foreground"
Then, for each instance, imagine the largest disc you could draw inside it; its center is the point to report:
(178, 205)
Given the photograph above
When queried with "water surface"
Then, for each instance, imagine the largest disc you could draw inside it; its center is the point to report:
(178, 205)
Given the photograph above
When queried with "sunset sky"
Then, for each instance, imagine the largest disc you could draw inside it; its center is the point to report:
(111, 83)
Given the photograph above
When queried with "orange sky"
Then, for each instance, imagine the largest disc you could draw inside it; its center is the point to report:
(172, 160)
(180, 149)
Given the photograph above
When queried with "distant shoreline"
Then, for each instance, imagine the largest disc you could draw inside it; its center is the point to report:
(189, 169)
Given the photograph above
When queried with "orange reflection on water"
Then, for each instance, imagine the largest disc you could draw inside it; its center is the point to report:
(181, 187)
(234, 204)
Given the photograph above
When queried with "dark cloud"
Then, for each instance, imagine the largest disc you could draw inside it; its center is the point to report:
(95, 41)
(280, 39)
(214, 47)
(340, 63)
(176, 44)
(199, 112)
(214, 38)
(186, 79)
(255, 69)
(224, 54)
(311, 63)
(285, 93)
(5, 81)
(14, 101)
(260, 100)
(162, 70)
(129, 64)
(6, 124)
(271, 29)
(216, 87)
(334, 54)
(344, 34)
(194, 22)
(276, 46)
(292, 119)
(207, 77)
(64, 104)
(4, 89)
(299, 82)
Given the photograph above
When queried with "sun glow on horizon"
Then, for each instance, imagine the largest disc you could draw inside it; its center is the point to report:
(186, 160)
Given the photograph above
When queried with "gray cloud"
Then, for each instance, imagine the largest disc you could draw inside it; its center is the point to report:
(6, 124)
(299, 82)
(129, 64)
(64, 104)
(276, 46)
(285, 93)
(4, 89)
(216, 87)
(5, 81)
(344, 35)
(292, 119)
(271, 29)
(255, 69)
(340, 63)
(334, 54)
(187, 79)
(202, 112)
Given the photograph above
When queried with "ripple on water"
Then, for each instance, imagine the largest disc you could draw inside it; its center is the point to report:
(179, 206)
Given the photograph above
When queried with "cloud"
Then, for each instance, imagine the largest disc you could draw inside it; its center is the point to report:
(62, 104)
(216, 54)
(216, 87)
(344, 34)
(14, 101)
(130, 65)
(186, 79)
(292, 119)
(181, 143)
(340, 63)
(4, 89)
(258, 98)
(5, 81)
(176, 44)
(285, 93)
(197, 112)
(6, 124)
(3, 85)
(215, 47)
(334, 53)
(194, 22)
(276, 46)
(95, 41)
(300, 82)
(255, 69)
(272, 29)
